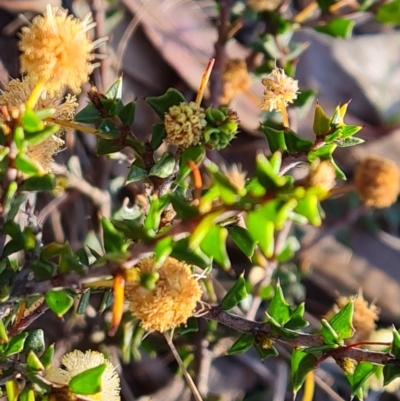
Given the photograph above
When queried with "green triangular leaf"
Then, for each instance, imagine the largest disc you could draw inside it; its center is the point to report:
(43, 183)
(214, 245)
(390, 372)
(301, 363)
(115, 90)
(108, 129)
(47, 356)
(127, 114)
(25, 164)
(279, 309)
(59, 301)
(27, 395)
(242, 239)
(33, 362)
(31, 122)
(196, 257)
(350, 130)
(337, 27)
(38, 137)
(114, 241)
(324, 152)
(158, 134)
(164, 167)
(395, 349)
(83, 302)
(261, 228)
(329, 334)
(161, 104)
(88, 382)
(235, 295)
(295, 143)
(389, 13)
(276, 138)
(242, 344)
(107, 146)
(266, 353)
(88, 115)
(363, 371)
(347, 142)
(136, 172)
(16, 344)
(342, 322)
(297, 321)
(322, 123)
(195, 154)
(308, 206)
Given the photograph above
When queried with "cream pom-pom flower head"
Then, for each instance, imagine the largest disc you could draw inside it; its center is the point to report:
(57, 51)
(280, 90)
(76, 362)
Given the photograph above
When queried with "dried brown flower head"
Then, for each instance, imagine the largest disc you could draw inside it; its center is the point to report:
(18, 91)
(377, 181)
(16, 95)
(57, 51)
(235, 80)
(279, 90)
(263, 5)
(171, 302)
(76, 362)
(322, 174)
(184, 124)
(43, 153)
(364, 317)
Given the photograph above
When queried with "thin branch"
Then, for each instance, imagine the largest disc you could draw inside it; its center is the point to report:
(220, 53)
(101, 199)
(98, 10)
(185, 373)
(327, 231)
(301, 340)
(203, 359)
(280, 384)
(27, 321)
(328, 390)
(292, 161)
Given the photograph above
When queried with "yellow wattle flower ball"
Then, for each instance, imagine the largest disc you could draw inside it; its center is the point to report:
(171, 302)
(279, 90)
(76, 362)
(377, 181)
(57, 51)
(184, 123)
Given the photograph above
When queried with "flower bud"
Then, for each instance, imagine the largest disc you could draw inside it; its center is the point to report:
(377, 181)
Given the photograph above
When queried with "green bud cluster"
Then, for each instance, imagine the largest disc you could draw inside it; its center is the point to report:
(221, 128)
